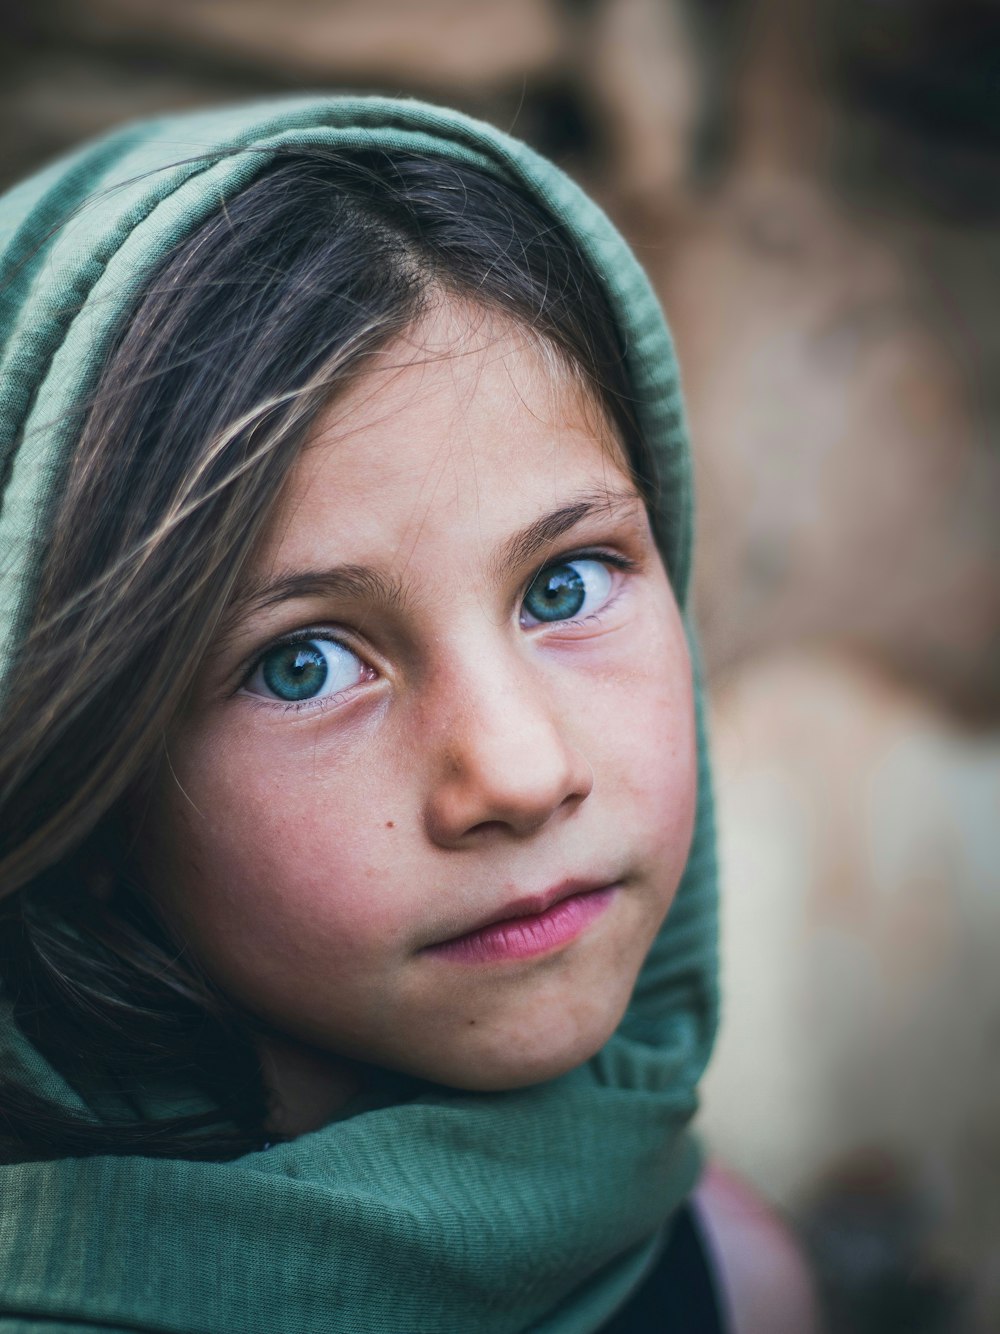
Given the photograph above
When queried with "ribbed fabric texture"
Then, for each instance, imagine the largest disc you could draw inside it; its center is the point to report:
(535, 1210)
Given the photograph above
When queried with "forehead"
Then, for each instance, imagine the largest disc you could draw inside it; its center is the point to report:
(467, 419)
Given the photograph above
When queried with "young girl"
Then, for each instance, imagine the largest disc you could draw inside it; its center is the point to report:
(357, 933)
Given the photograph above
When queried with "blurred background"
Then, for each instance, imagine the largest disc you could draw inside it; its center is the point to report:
(814, 186)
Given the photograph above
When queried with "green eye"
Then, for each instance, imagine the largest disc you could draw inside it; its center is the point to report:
(305, 669)
(566, 590)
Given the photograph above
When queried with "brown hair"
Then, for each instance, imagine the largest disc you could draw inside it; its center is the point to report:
(231, 350)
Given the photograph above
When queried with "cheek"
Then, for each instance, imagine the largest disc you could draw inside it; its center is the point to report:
(252, 870)
(644, 713)
(649, 721)
(667, 762)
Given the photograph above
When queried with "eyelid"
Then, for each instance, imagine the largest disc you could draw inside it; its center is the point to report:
(615, 558)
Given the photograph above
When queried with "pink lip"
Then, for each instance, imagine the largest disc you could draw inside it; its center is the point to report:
(530, 926)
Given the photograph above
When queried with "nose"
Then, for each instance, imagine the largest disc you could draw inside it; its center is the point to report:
(504, 761)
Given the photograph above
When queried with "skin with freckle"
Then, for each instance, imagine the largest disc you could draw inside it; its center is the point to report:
(514, 754)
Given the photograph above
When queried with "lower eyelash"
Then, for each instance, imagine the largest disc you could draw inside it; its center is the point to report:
(318, 704)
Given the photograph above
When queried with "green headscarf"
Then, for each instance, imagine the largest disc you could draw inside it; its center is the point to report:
(446, 1212)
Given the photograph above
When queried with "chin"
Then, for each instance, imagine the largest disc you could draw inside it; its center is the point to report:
(501, 1062)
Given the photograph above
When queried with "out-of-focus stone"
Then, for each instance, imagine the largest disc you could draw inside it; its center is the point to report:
(637, 68)
(860, 846)
(846, 486)
(64, 98)
(437, 43)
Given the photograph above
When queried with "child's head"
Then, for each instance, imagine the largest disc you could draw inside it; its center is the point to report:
(353, 637)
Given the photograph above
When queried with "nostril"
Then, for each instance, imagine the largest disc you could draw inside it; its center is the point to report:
(488, 827)
(527, 820)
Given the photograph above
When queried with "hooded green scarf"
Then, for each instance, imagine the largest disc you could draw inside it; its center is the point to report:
(538, 1209)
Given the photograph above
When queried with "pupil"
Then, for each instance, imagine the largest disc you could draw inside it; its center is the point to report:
(295, 671)
(556, 594)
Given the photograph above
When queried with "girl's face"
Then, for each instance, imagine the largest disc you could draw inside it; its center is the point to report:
(453, 690)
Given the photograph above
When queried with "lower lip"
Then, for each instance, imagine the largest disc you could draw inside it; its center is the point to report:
(525, 937)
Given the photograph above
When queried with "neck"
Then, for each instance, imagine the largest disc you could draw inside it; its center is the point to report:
(307, 1086)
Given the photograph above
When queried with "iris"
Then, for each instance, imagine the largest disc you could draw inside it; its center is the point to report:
(295, 671)
(557, 593)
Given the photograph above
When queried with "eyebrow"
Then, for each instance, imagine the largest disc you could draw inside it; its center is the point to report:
(358, 582)
(520, 548)
(362, 583)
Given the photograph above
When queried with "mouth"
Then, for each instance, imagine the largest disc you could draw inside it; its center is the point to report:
(540, 924)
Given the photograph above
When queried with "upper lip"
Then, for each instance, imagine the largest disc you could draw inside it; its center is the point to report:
(533, 904)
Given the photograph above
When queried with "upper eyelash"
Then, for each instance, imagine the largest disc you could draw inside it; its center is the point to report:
(611, 558)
